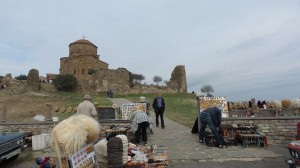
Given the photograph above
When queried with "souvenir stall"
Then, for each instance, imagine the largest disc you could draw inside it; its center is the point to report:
(233, 134)
(248, 134)
(117, 120)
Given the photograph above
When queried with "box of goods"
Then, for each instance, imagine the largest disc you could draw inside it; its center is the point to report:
(131, 164)
(229, 134)
(210, 139)
(158, 154)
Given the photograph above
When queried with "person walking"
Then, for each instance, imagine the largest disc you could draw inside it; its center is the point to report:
(211, 117)
(159, 109)
(86, 107)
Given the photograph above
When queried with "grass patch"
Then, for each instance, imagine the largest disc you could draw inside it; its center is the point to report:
(180, 107)
(73, 99)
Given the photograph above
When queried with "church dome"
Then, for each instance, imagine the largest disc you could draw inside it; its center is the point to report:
(82, 47)
(83, 41)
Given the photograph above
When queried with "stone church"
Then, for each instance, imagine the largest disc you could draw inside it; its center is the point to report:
(94, 76)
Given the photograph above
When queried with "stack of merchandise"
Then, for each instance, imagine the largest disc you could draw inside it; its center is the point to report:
(228, 132)
(158, 157)
(125, 147)
(137, 157)
(114, 152)
(248, 134)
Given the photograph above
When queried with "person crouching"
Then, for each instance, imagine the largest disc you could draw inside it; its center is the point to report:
(140, 122)
(213, 118)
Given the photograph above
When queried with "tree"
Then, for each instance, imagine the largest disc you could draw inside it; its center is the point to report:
(21, 77)
(207, 89)
(137, 78)
(157, 79)
(65, 82)
(133, 78)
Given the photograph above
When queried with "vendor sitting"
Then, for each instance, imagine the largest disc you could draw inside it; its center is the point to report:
(140, 122)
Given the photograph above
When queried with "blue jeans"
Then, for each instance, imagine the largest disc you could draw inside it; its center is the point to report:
(206, 119)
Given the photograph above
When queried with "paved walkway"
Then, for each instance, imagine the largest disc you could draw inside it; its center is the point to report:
(185, 150)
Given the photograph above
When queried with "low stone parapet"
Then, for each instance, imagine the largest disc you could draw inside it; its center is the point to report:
(278, 130)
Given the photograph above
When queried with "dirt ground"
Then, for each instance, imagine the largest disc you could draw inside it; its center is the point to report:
(23, 107)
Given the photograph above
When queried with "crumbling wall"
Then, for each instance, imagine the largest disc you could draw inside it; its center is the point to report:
(178, 79)
(12, 86)
(33, 81)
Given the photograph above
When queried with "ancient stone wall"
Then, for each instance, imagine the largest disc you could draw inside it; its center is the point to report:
(34, 127)
(82, 48)
(83, 58)
(178, 79)
(144, 89)
(48, 87)
(100, 82)
(278, 130)
(79, 66)
(13, 86)
(33, 81)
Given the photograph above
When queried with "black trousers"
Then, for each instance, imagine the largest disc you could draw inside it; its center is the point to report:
(141, 132)
(160, 113)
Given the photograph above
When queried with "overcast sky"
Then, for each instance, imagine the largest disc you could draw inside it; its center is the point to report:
(243, 48)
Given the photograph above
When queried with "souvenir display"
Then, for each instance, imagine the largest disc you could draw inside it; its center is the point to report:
(84, 158)
(153, 156)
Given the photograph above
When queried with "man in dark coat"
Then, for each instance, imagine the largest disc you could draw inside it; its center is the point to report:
(211, 117)
(159, 109)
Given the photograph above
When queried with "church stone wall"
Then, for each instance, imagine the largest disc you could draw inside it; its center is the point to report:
(83, 57)
(79, 66)
(82, 48)
(105, 79)
(145, 89)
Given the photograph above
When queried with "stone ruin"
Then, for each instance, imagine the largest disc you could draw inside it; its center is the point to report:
(12, 86)
(33, 81)
(178, 79)
(94, 76)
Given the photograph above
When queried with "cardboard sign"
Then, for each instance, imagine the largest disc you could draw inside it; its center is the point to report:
(84, 158)
(128, 108)
(219, 102)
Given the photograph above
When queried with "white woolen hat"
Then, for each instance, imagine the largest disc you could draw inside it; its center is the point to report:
(142, 99)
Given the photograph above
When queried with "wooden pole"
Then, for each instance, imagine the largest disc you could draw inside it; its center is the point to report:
(49, 107)
(3, 112)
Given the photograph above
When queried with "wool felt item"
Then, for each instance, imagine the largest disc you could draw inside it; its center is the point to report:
(73, 133)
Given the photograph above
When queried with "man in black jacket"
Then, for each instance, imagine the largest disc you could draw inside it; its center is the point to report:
(159, 108)
(211, 117)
